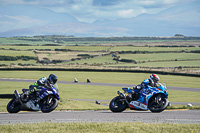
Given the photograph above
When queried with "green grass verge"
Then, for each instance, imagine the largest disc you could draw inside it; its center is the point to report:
(77, 91)
(136, 127)
(105, 77)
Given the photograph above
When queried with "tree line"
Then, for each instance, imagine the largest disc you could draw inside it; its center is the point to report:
(59, 39)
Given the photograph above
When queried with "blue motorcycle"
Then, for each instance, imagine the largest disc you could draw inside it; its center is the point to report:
(151, 98)
(46, 105)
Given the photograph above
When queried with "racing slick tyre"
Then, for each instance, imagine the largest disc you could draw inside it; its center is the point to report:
(13, 106)
(117, 104)
(157, 106)
(48, 107)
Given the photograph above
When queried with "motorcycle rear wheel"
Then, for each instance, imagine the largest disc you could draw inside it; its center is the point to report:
(117, 104)
(157, 108)
(13, 106)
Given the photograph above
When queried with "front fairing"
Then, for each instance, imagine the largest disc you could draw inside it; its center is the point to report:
(53, 90)
(163, 89)
(149, 92)
(127, 90)
(146, 94)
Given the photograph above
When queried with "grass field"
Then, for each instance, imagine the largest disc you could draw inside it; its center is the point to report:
(68, 92)
(153, 49)
(163, 56)
(170, 59)
(66, 50)
(77, 91)
(66, 56)
(160, 64)
(118, 127)
(105, 77)
(16, 53)
(74, 47)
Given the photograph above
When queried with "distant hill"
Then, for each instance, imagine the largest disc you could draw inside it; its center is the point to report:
(183, 19)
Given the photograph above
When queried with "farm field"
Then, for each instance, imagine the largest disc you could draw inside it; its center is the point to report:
(165, 65)
(153, 49)
(160, 54)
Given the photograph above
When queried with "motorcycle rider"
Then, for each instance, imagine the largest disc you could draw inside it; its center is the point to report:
(42, 82)
(153, 81)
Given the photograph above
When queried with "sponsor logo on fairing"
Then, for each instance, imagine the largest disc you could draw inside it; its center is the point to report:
(138, 105)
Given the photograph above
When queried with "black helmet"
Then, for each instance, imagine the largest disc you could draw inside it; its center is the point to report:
(53, 79)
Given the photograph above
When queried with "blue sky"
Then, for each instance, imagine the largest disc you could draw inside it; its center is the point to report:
(92, 10)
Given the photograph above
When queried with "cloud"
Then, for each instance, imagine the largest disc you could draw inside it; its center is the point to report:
(106, 2)
(26, 20)
(91, 10)
(18, 22)
(126, 13)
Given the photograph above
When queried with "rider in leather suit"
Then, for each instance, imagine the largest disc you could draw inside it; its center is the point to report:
(42, 82)
(151, 82)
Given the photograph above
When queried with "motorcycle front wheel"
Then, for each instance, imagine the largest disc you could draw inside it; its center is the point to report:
(156, 106)
(117, 104)
(49, 105)
(13, 106)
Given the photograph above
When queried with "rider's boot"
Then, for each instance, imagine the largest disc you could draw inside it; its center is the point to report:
(37, 100)
(132, 94)
(25, 95)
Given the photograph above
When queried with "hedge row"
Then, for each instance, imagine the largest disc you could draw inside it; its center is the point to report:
(12, 58)
(98, 70)
(152, 52)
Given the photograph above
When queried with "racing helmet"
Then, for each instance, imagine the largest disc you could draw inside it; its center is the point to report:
(155, 78)
(53, 78)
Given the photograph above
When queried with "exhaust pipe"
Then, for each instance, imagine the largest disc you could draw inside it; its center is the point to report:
(122, 95)
(16, 94)
(18, 97)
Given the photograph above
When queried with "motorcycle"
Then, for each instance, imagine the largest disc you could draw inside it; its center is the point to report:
(151, 98)
(46, 105)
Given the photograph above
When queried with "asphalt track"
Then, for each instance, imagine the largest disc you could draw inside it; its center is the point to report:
(184, 116)
(178, 116)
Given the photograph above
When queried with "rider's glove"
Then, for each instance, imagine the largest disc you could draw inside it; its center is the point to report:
(138, 87)
(33, 89)
(48, 86)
